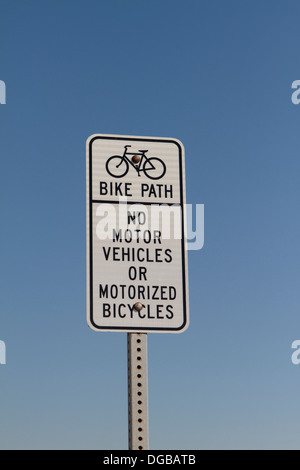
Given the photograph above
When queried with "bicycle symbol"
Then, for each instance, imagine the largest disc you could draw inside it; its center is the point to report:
(118, 166)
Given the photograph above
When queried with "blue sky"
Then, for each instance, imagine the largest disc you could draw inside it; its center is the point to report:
(216, 75)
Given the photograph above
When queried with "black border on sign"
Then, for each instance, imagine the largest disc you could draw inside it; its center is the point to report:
(91, 201)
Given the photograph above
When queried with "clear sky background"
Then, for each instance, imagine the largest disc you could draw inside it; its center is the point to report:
(217, 75)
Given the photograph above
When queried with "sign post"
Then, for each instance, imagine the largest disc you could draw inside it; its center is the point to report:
(136, 251)
(138, 425)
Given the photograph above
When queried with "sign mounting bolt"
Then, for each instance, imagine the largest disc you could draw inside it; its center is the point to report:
(138, 306)
(135, 159)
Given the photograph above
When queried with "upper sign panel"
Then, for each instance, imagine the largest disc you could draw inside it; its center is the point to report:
(142, 169)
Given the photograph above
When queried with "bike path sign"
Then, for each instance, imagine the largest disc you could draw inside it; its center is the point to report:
(136, 234)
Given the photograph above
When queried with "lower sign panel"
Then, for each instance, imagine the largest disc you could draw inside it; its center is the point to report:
(137, 268)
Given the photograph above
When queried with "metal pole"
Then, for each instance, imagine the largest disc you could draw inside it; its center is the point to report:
(138, 428)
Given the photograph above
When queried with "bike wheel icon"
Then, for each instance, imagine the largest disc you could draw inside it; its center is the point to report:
(117, 166)
(154, 168)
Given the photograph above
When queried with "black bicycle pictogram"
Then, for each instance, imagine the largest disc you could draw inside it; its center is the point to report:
(118, 166)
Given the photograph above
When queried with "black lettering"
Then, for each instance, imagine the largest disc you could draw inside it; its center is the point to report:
(103, 291)
(140, 258)
(144, 188)
(106, 310)
(159, 309)
(168, 191)
(127, 189)
(141, 292)
(131, 292)
(125, 254)
(158, 252)
(163, 295)
(152, 191)
(128, 235)
(118, 190)
(114, 310)
(149, 260)
(149, 312)
(172, 293)
(116, 251)
(137, 236)
(154, 293)
(113, 291)
(117, 236)
(143, 271)
(130, 217)
(147, 236)
(132, 310)
(159, 186)
(122, 287)
(169, 309)
(103, 188)
(141, 314)
(157, 236)
(142, 218)
(168, 257)
(133, 254)
(121, 315)
(132, 273)
(106, 252)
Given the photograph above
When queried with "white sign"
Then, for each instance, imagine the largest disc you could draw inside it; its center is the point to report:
(136, 234)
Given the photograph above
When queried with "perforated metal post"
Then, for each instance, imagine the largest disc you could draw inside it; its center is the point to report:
(138, 428)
